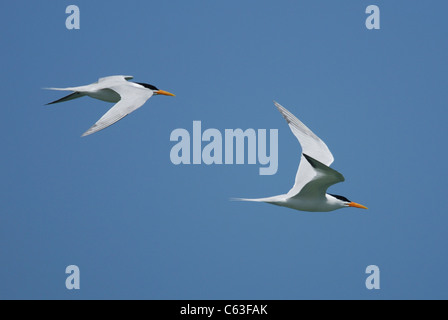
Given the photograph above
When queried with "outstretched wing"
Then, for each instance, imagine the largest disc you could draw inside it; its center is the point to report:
(71, 96)
(115, 78)
(324, 177)
(132, 98)
(311, 145)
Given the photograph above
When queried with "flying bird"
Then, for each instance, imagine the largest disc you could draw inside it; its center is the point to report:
(128, 96)
(314, 176)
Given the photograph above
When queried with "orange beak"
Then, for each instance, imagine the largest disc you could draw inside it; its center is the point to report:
(356, 205)
(165, 93)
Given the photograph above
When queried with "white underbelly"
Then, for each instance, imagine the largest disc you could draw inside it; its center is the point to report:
(308, 205)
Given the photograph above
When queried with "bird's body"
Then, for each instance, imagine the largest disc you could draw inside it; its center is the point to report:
(128, 96)
(328, 203)
(314, 175)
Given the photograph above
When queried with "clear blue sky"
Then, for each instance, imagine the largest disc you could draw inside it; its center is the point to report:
(140, 227)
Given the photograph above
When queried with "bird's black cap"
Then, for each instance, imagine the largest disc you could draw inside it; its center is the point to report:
(340, 197)
(149, 86)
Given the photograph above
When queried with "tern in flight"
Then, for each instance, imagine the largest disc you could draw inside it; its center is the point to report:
(314, 176)
(128, 96)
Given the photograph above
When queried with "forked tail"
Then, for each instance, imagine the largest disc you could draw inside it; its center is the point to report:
(273, 200)
(244, 199)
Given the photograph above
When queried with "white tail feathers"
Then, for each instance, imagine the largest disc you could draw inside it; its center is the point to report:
(268, 200)
(243, 199)
(60, 89)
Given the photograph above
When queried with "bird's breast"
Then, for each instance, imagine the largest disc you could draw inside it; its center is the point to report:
(312, 205)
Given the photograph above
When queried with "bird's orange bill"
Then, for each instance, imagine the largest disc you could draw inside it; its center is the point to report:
(165, 93)
(356, 205)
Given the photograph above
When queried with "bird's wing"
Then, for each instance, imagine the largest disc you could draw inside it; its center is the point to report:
(115, 78)
(324, 177)
(132, 98)
(311, 145)
(71, 96)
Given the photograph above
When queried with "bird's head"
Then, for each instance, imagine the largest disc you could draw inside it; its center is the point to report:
(344, 202)
(155, 89)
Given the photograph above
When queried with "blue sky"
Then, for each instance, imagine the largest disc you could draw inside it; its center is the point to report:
(140, 227)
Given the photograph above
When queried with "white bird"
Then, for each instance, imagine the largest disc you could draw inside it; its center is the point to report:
(128, 96)
(314, 176)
